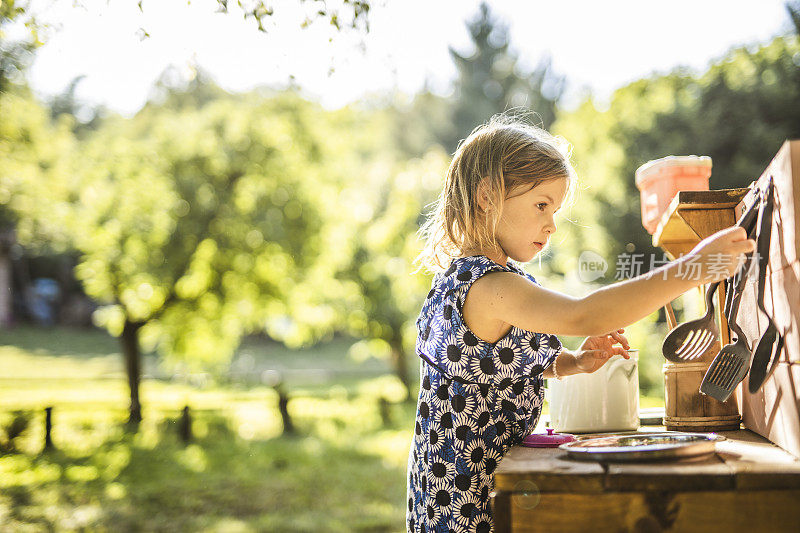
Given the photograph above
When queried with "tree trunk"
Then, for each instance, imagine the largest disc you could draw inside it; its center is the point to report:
(6, 292)
(130, 350)
(400, 367)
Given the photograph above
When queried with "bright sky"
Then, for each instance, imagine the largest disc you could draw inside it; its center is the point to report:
(599, 45)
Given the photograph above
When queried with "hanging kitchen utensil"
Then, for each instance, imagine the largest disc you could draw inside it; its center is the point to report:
(731, 364)
(731, 283)
(767, 345)
(690, 340)
(670, 315)
(728, 284)
(751, 225)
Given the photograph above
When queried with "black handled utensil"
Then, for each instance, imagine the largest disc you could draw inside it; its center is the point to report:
(763, 353)
(731, 364)
(733, 361)
(690, 340)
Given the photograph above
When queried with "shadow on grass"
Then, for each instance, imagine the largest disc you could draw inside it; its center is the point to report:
(74, 342)
(218, 481)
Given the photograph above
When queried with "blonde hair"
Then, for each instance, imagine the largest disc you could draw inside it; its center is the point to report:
(504, 154)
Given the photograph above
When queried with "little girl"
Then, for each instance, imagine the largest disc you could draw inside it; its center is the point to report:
(481, 329)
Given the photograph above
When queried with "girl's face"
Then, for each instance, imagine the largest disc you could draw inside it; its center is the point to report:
(527, 221)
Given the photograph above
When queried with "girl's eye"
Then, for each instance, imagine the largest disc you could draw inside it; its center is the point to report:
(540, 206)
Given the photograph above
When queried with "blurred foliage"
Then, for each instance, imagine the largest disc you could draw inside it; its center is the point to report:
(16, 55)
(202, 219)
(419, 122)
(793, 9)
(352, 14)
(12, 429)
(492, 80)
(738, 112)
(386, 294)
(237, 474)
(83, 118)
(211, 215)
(31, 147)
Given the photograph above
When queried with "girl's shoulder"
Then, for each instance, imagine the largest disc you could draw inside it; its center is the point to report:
(465, 272)
(469, 268)
(450, 286)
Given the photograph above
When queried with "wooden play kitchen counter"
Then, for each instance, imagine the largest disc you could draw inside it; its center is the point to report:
(752, 481)
(773, 410)
(749, 484)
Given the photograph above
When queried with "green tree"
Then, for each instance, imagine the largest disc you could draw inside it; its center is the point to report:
(490, 80)
(387, 293)
(33, 169)
(85, 118)
(193, 226)
(420, 122)
(16, 55)
(353, 13)
(738, 112)
(793, 8)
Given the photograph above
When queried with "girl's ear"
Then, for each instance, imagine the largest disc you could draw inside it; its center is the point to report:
(483, 195)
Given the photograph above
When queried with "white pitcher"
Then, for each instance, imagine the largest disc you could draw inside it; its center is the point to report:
(605, 400)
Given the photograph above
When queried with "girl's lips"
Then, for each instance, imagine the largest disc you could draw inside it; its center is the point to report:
(540, 245)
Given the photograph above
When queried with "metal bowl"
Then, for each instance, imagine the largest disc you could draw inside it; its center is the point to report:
(644, 446)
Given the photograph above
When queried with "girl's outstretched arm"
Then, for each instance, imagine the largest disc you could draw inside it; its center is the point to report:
(515, 300)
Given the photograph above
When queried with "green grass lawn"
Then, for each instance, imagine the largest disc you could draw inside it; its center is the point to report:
(344, 471)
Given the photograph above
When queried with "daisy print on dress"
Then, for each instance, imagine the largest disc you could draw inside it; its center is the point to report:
(484, 367)
(456, 359)
(510, 352)
(467, 342)
(463, 402)
(463, 516)
(478, 399)
(466, 425)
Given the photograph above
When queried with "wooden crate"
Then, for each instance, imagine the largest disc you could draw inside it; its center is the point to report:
(691, 217)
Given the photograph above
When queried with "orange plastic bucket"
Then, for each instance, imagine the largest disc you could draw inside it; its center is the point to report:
(660, 180)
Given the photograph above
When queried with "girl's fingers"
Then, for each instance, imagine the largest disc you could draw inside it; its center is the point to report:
(622, 351)
(621, 339)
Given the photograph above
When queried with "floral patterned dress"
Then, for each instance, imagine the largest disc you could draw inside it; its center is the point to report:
(476, 400)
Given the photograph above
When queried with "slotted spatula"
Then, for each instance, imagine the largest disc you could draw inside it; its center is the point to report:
(690, 340)
(731, 364)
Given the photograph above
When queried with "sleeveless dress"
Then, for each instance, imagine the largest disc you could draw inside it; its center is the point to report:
(476, 400)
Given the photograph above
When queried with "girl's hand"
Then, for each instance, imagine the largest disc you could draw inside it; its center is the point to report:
(595, 351)
(720, 255)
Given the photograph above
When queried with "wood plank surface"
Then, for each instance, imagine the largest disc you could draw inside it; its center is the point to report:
(686, 512)
(705, 473)
(744, 461)
(756, 463)
(548, 470)
(773, 411)
(785, 170)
